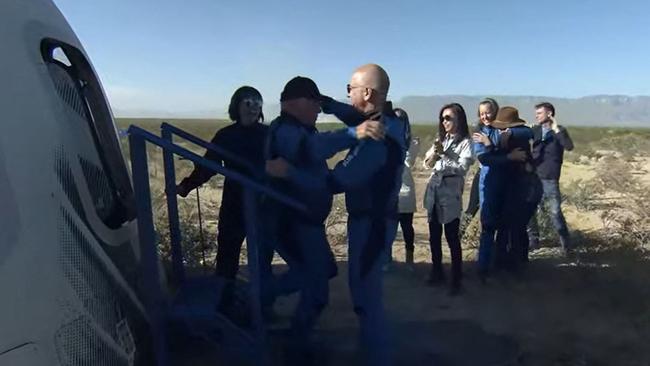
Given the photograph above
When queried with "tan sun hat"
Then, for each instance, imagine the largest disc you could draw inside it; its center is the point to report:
(507, 117)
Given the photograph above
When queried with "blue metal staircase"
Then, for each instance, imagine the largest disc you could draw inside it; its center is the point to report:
(192, 309)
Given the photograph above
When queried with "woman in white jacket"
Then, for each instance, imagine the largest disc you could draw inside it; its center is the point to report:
(406, 205)
(449, 158)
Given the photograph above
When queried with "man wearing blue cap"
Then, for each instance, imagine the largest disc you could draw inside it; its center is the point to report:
(370, 177)
(300, 238)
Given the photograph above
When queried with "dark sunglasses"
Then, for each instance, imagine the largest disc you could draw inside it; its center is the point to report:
(447, 118)
(350, 87)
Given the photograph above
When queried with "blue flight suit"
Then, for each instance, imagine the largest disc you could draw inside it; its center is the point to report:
(491, 193)
(524, 193)
(499, 190)
(396, 130)
(370, 176)
(371, 199)
(298, 237)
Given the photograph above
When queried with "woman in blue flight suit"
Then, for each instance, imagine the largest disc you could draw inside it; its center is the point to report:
(495, 158)
(487, 112)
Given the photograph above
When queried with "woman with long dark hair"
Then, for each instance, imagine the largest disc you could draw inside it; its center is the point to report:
(449, 159)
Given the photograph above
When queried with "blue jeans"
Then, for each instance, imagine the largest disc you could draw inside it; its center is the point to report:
(552, 199)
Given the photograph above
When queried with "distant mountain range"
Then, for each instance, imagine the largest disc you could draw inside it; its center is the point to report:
(596, 110)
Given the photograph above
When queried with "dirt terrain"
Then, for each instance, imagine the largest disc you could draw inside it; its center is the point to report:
(593, 309)
(590, 310)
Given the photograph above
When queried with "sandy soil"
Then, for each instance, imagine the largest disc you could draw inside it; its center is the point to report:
(586, 311)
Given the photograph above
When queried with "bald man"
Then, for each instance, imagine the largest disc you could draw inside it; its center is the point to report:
(301, 239)
(370, 176)
(371, 200)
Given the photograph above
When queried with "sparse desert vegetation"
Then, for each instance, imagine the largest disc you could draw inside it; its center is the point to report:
(591, 310)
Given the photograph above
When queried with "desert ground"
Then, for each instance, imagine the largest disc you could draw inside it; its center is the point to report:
(590, 309)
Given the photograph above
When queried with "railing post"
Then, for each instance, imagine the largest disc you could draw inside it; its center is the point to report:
(148, 249)
(151, 286)
(254, 255)
(172, 211)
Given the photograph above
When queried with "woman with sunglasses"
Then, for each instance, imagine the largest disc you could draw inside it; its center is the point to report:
(244, 139)
(449, 159)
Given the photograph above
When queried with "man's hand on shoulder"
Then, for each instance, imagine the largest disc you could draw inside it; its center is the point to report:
(372, 129)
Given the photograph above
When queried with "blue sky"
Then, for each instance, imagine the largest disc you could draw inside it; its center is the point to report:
(187, 57)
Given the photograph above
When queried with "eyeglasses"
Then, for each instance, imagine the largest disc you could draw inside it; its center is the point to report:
(447, 118)
(350, 87)
(252, 102)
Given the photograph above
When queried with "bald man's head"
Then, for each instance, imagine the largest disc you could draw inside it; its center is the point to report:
(368, 87)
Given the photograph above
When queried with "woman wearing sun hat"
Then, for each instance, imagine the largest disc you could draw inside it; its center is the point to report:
(523, 187)
(494, 156)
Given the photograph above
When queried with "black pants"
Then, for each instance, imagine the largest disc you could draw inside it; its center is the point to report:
(453, 240)
(512, 247)
(519, 206)
(473, 204)
(230, 237)
(406, 222)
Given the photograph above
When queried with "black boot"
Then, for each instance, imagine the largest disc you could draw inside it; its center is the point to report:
(455, 287)
(228, 306)
(436, 277)
(456, 276)
(483, 276)
(409, 257)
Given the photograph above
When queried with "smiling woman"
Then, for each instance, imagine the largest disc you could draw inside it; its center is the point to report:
(449, 158)
(244, 139)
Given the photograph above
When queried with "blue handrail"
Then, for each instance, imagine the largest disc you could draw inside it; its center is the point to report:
(155, 300)
(227, 155)
(228, 173)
